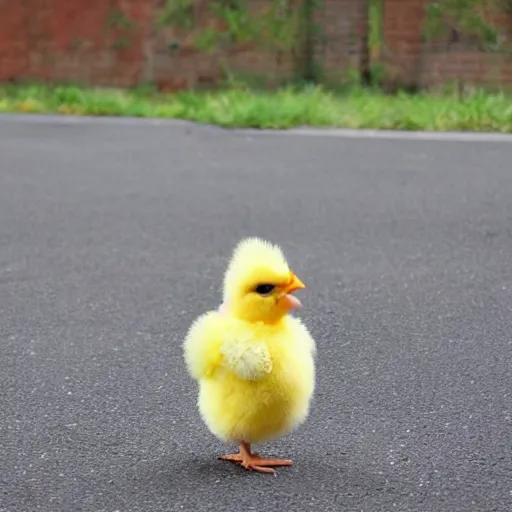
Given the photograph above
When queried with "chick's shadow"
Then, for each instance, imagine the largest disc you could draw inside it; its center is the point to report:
(195, 479)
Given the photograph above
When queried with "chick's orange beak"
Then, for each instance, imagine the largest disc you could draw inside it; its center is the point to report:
(289, 301)
(294, 284)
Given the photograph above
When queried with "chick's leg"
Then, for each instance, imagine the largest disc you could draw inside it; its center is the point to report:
(253, 461)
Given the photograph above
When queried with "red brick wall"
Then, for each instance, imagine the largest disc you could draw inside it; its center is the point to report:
(73, 40)
(402, 21)
(414, 62)
(344, 23)
(115, 42)
(470, 67)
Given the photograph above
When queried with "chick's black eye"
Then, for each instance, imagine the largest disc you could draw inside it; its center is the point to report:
(264, 289)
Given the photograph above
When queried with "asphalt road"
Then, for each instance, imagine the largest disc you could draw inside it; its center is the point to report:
(114, 236)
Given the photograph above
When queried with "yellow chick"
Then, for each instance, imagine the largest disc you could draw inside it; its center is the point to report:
(254, 362)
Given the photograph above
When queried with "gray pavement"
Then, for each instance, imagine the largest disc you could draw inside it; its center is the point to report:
(114, 237)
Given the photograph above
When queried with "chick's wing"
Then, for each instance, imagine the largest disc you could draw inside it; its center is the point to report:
(214, 342)
(202, 345)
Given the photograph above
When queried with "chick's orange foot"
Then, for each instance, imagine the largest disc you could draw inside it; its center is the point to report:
(253, 461)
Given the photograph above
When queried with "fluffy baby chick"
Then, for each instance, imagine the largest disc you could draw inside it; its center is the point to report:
(253, 361)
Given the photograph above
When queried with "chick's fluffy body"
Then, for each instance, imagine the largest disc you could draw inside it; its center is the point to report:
(255, 381)
(256, 374)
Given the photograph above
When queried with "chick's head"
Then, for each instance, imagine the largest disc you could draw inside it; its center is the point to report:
(258, 283)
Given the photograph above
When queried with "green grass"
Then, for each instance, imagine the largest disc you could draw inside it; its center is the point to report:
(284, 108)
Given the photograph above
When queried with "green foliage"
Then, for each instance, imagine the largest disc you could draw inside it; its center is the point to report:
(309, 33)
(118, 20)
(278, 28)
(286, 108)
(207, 40)
(120, 28)
(465, 17)
(177, 12)
(240, 27)
(121, 43)
(375, 27)
(275, 27)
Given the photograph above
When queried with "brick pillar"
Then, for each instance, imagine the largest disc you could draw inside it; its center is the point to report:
(402, 34)
(14, 41)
